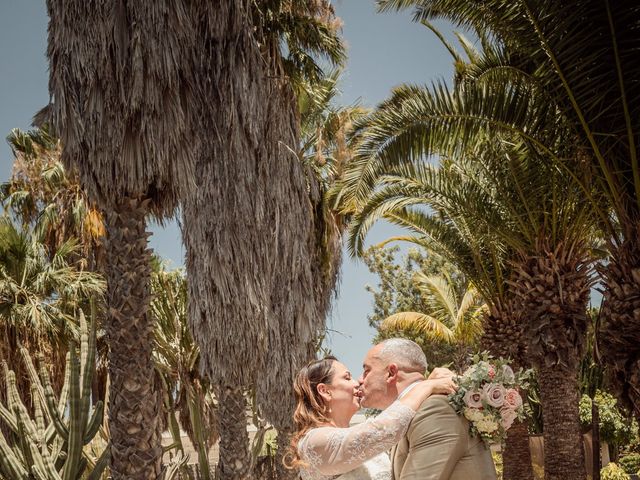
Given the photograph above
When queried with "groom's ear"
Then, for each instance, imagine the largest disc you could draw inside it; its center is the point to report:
(392, 373)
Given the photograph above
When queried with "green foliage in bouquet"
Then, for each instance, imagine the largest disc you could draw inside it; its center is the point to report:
(489, 396)
(615, 428)
(48, 443)
(613, 472)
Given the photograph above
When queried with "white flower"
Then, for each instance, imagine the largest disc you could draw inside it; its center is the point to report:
(507, 373)
(487, 424)
(473, 414)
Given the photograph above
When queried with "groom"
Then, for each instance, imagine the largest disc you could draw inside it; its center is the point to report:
(437, 445)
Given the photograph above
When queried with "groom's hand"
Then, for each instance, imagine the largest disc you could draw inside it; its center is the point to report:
(440, 372)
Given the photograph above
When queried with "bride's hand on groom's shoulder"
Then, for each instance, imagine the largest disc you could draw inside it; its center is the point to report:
(441, 372)
(442, 385)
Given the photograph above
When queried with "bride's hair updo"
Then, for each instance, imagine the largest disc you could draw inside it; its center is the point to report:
(311, 410)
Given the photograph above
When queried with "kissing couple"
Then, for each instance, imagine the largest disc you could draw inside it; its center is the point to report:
(426, 438)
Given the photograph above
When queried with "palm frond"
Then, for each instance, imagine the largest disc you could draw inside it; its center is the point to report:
(425, 324)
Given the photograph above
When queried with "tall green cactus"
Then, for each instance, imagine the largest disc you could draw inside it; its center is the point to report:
(49, 445)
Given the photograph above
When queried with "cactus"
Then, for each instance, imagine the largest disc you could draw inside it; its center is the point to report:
(48, 443)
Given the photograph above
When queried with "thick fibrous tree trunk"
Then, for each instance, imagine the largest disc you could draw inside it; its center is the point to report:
(248, 226)
(563, 450)
(503, 337)
(620, 334)
(135, 402)
(553, 287)
(234, 444)
(516, 455)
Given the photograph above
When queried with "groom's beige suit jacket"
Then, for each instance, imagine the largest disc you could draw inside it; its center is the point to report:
(438, 446)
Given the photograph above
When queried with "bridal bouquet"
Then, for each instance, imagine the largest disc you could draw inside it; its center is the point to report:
(488, 396)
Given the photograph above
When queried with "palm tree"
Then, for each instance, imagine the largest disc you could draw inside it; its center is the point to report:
(122, 91)
(587, 75)
(40, 293)
(484, 105)
(538, 221)
(42, 195)
(47, 199)
(466, 200)
(504, 191)
(454, 319)
(250, 228)
(475, 251)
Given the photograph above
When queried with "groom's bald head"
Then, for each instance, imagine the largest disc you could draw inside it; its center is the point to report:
(407, 355)
(388, 368)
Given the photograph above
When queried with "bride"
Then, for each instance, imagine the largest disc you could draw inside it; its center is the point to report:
(325, 446)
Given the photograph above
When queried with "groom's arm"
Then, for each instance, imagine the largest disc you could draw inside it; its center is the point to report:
(437, 439)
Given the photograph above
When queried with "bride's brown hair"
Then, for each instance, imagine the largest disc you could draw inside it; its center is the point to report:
(311, 410)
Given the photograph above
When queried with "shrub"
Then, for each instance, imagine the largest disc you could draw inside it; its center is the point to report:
(630, 462)
(615, 428)
(613, 472)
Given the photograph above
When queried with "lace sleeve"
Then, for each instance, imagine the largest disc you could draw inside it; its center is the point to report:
(333, 451)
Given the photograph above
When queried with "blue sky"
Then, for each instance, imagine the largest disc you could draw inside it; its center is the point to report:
(384, 51)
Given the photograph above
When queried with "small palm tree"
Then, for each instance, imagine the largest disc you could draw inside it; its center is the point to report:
(42, 195)
(40, 293)
(451, 318)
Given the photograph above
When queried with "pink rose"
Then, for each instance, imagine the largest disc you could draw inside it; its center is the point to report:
(473, 399)
(494, 394)
(512, 399)
(492, 372)
(507, 417)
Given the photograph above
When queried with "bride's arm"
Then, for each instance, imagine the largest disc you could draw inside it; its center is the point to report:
(333, 451)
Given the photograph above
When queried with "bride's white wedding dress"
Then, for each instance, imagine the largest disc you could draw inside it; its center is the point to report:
(355, 453)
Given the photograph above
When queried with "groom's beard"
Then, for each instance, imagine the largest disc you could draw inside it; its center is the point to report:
(379, 403)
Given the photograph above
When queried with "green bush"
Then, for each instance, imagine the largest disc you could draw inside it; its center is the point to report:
(613, 472)
(630, 462)
(615, 428)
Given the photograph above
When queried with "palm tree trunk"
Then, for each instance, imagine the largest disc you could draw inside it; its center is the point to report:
(235, 461)
(282, 473)
(503, 337)
(134, 403)
(516, 456)
(553, 288)
(563, 450)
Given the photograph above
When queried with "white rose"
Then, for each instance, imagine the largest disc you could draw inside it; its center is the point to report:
(507, 373)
